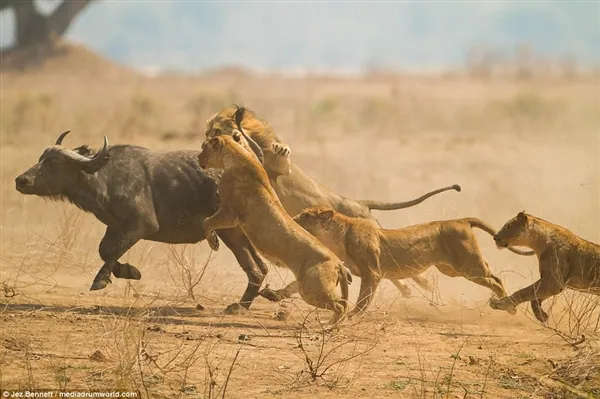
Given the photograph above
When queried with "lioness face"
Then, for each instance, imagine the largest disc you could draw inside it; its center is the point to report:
(214, 149)
(515, 232)
(315, 220)
(210, 157)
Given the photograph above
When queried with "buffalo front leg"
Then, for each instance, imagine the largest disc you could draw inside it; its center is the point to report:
(223, 218)
(251, 263)
(113, 245)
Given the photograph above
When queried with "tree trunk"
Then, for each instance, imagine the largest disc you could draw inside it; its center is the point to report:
(33, 28)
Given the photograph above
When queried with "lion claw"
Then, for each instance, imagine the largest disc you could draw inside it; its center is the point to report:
(281, 149)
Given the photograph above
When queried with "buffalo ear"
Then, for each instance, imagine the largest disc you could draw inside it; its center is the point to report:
(83, 150)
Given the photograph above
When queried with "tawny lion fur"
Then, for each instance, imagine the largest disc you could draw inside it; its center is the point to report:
(248, 201)
(565, 261)
(373, 253)
(296, 190)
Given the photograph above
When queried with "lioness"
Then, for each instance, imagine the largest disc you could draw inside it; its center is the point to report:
(296, 190)
(373, 253)
(248, 201)
(565, 261)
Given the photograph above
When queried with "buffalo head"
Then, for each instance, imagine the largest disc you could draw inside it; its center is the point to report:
(59, 167)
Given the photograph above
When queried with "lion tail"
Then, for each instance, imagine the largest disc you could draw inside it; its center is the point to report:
(391, 206)
(480, 224)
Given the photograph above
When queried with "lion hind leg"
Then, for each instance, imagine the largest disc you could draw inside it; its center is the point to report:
(403, 287)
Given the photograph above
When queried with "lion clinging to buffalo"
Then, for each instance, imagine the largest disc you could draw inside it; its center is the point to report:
(295, 189)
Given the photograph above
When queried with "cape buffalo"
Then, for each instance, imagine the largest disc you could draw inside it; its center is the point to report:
(139, 194)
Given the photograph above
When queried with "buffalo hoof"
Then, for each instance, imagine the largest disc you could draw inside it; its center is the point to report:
(235, 309)
(540, 314)
(272, 295)
(355, 314)
(126, 271)
(100, 283)
(213, 241)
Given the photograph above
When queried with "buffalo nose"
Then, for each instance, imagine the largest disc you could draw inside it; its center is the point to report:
(22, 181)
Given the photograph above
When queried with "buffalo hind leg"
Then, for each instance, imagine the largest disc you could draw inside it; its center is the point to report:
(538, 312)
(251, 263)
(126, 271)
(113, 245)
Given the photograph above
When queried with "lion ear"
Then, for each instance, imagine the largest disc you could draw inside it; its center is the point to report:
(522, 217)
(326, 214)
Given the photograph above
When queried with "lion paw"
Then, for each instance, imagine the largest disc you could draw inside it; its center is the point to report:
(503, 304)
(235, 309)
(281, 149)
(213, 241)
(272, 295)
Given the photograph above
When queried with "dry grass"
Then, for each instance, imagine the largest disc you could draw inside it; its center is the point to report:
(512, 145)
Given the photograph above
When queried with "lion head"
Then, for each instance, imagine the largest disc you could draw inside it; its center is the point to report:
(238, 118)
(515, 232)
(216, 150)
(315, 219)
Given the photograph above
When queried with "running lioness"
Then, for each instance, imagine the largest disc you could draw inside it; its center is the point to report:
(248, 201)
(565, 261)
(373, 253)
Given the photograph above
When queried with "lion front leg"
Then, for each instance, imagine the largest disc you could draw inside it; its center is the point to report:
(224, 218)
(279, 295)
(368, 286)
(277, 160)
(535, 293)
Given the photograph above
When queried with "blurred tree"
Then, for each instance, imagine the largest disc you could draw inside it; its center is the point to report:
(34, 28)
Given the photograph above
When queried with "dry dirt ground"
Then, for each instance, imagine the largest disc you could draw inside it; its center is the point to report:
(512, 145)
